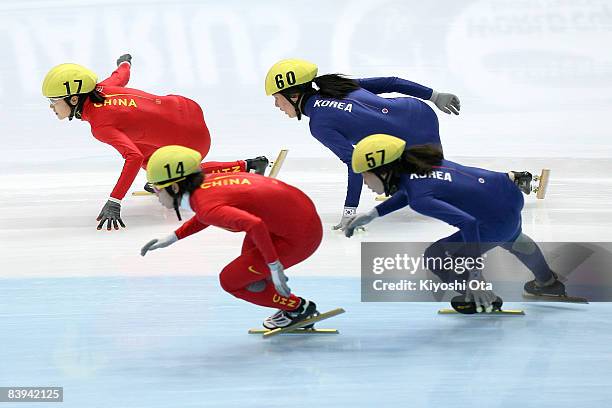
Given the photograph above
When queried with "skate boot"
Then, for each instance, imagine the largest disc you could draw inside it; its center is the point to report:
(284, 318)
(522, 179)
(463, 306)
(257, 165)
(552, 288)
(149, 188)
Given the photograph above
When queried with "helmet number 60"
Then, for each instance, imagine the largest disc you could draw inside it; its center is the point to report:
(372, 161)
(289, 76)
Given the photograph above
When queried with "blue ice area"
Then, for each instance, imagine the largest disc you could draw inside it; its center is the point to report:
(183, 342)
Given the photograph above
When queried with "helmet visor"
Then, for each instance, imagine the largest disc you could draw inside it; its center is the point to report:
(53, 101)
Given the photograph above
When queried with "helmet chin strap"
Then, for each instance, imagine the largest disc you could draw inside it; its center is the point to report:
(75, 110)
(388, 181)
(295, 104)
(176, 201)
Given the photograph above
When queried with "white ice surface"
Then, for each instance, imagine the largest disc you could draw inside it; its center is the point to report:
(47, 219)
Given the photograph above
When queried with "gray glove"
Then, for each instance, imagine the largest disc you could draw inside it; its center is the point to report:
(347, 216)
(158, 243)
(124, 58)
(446, 102)
(111, 213)
(279, 279)
(359, 221)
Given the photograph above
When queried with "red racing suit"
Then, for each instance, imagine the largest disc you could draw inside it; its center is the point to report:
(137, 123)
(280, 221)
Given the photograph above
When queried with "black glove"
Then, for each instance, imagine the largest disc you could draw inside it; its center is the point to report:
(111, 212)
(124, 58)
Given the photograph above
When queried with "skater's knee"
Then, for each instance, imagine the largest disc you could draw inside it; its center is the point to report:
(434, 259)
(435, 250)
(257, 287)
(226, 281)
(523, 245)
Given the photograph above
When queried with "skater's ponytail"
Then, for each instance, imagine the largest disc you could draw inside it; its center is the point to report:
(420, 159)
(336, 86)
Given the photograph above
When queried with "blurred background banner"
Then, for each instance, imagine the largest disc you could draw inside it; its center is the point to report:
(534, 77)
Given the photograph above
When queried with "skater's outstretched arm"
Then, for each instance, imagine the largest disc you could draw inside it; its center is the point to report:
(380, 85)
(446, 102)
(394, 203)
(128, 150)
(190, 227)
(235, 219)
(343, 149)
(121, 75)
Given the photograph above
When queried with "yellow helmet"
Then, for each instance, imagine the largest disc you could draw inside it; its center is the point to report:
(68, 79)
(376, 150)
(289, 72)
(171, 164)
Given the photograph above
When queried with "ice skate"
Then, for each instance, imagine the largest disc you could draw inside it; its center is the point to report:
(461, 305)
(529, 183)
(542, 183)
(257, 165)
(523, 179)
(554, 291)
(285, 318)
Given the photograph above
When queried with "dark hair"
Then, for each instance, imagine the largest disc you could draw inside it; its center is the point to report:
(95, 96)
(420, 159)
(335, 86)
(191, 183)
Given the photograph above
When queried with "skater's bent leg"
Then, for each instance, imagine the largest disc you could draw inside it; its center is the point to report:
(247, 278)
(528, 252)
(267, 297)
(224, 167)
(438, 251)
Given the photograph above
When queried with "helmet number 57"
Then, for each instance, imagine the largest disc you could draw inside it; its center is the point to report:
(372, 161)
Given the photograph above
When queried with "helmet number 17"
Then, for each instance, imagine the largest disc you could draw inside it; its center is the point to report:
(67, 85)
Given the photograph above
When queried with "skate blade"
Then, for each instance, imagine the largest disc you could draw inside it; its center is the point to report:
(142, 193)
(278, 163)
(542, 186)
(303, 323)
(381, 198)
(566, 299)
(298, 331)
(516, 312)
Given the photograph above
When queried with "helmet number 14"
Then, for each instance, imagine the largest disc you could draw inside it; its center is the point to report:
(290, 77)
(67, 85)
(372, 161)
(180, 170)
